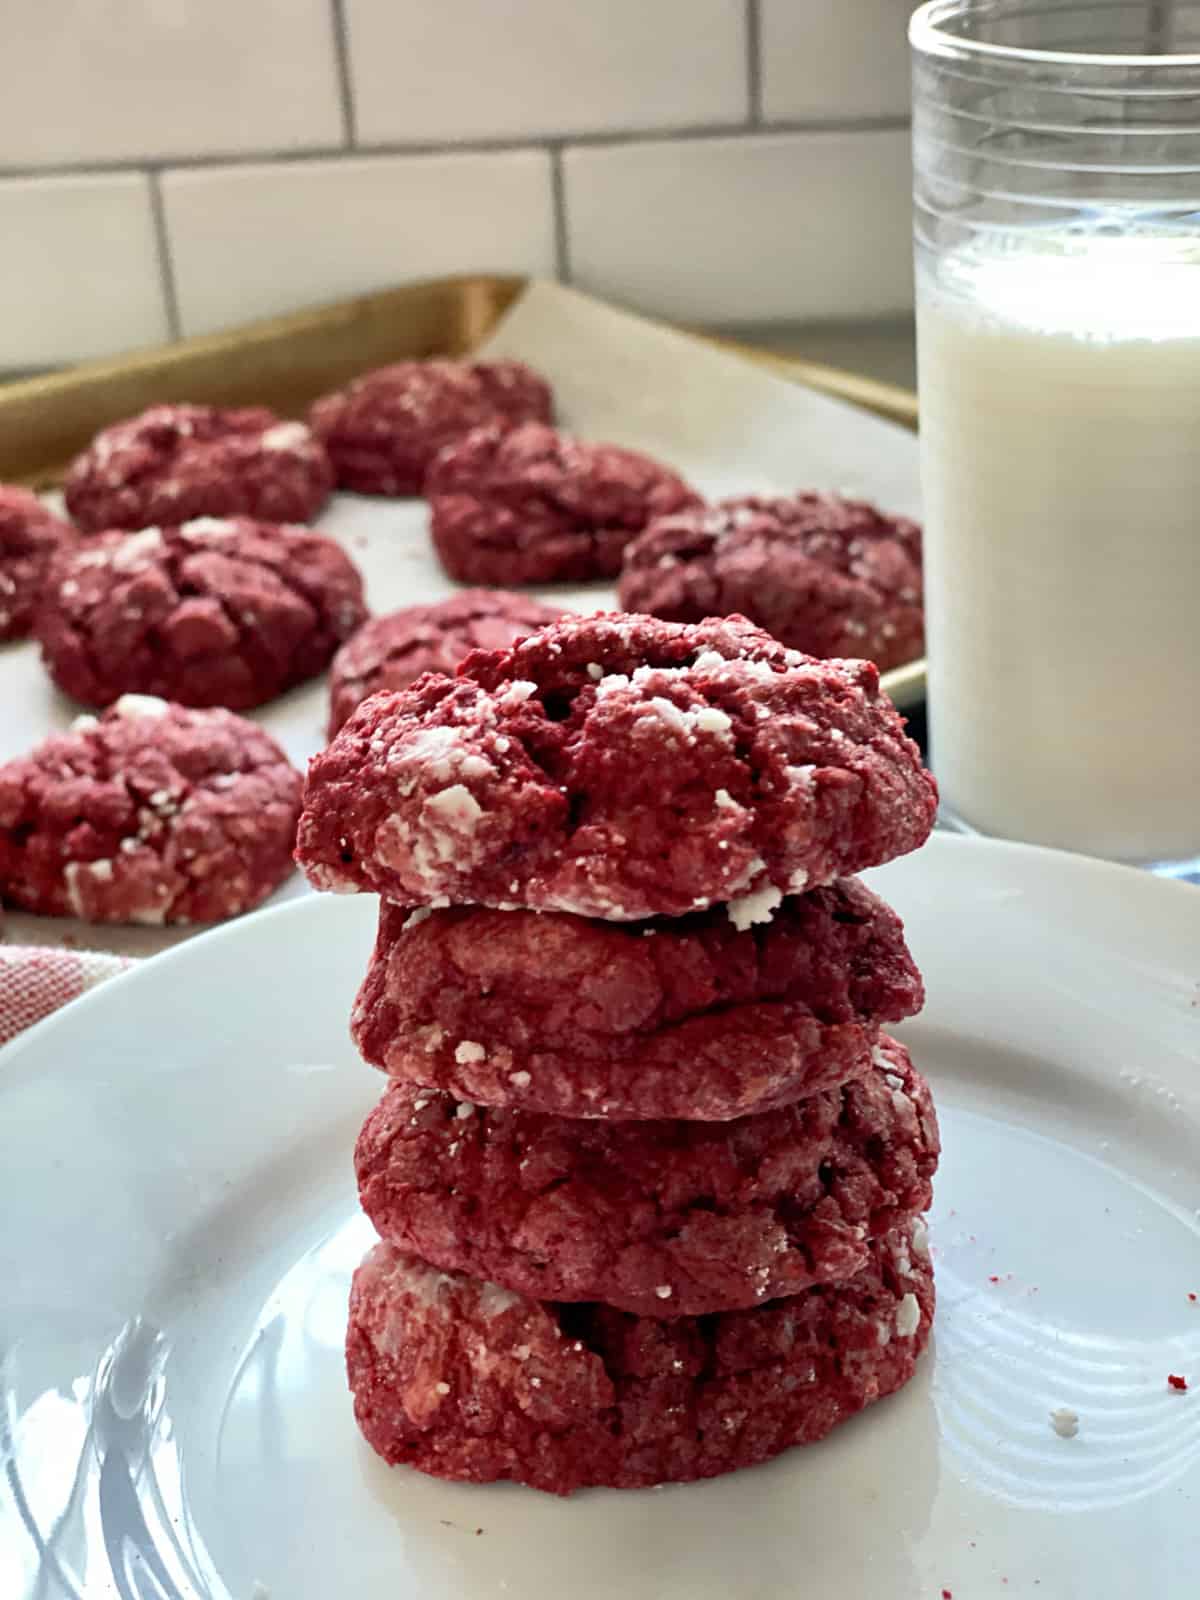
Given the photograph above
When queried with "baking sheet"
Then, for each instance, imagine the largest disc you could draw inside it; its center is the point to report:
(727, 425)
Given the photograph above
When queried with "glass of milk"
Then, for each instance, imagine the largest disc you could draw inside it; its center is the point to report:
(1057, 205)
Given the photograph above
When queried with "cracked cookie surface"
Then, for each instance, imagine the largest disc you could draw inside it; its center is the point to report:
(218, 612)
(153, 813)
(619, 767)
(831, 576)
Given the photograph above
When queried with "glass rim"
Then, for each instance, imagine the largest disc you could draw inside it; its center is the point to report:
(928, 34)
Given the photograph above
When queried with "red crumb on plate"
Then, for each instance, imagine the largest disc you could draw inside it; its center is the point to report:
(1174, 1381)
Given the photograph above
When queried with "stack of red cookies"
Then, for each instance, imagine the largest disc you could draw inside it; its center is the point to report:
(648, 1175)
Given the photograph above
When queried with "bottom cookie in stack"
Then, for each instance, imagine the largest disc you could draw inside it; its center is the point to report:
(467, 1380)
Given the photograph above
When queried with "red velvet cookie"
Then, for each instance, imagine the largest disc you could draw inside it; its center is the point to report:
(176, 462)
(392, 651)
(664, 1219)
(30, 535)
(223, 612)
(152, 813)
(830, 576)
(619, 767)
(530, 505)
(682, 1017)
(383, 430)
(465, 1380)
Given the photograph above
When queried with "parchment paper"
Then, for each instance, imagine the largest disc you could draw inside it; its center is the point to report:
(728, 426)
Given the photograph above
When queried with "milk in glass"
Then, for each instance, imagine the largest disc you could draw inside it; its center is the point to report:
(1060, 429)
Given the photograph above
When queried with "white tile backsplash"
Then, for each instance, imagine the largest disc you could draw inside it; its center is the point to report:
(309, 149)
(753, 229)
(110, 80)
(834, 59)
(250, 240)
(79, 273)
(478, 69)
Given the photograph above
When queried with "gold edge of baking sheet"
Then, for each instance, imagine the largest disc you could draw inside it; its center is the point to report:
(285, 362)
(905, 685)
(282, 362)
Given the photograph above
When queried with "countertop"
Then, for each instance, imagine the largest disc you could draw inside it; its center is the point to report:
(883, 350)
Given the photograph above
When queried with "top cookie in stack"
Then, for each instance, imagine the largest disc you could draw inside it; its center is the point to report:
(619, 767)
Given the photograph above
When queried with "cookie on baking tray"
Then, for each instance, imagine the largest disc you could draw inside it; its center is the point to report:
(824, 574)
(392, 651)
(30, 535)
(217, 612)
(526, 505)
(384, 428)
(152, 813)
(175, 462)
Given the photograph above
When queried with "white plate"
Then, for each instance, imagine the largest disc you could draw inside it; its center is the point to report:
(179, 1229)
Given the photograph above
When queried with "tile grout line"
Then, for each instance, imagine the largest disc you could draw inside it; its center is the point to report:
(558, 192)
(696, 133)
(162, 244)
(754, 72)
(341, 54)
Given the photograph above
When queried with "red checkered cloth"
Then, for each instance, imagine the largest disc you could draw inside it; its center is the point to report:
(35, 981)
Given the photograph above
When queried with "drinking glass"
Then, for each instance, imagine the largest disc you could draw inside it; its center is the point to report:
(1056, 149)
